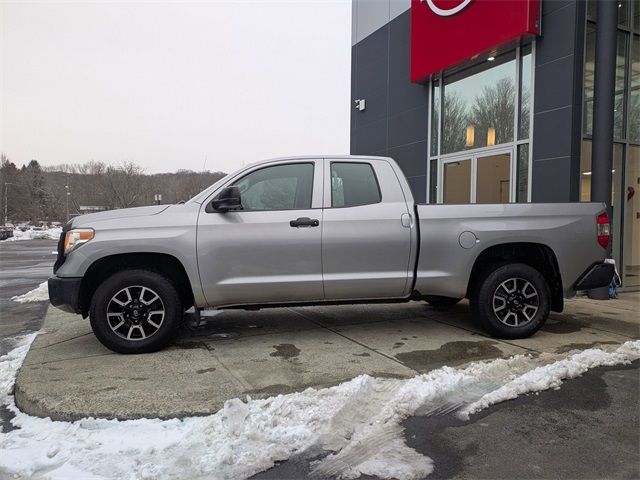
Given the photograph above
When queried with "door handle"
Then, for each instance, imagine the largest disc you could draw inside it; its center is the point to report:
(304, 222)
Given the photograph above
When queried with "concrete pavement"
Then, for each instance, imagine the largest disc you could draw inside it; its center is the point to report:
(68, 374)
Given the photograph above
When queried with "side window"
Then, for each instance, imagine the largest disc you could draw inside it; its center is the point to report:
(353, 184)
(281, 187)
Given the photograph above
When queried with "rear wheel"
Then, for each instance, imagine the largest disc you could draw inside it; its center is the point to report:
(511, 301)
(135, 311)
(439, 301)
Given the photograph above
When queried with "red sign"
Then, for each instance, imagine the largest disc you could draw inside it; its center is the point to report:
(448, 32)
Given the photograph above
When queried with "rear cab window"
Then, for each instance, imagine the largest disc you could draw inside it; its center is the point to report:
(353, 184)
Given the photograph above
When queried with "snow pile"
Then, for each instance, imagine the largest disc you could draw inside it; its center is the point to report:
(47, 234)
(9, 365)
(357, 423)
(38, 294)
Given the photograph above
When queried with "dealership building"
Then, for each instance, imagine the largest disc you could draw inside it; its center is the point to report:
(492, 101)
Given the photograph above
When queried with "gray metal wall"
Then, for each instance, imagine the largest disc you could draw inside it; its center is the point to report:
(557, 110)
(394, 122)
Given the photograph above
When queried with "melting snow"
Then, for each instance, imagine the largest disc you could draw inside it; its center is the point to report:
(358, 423)
(38, 294)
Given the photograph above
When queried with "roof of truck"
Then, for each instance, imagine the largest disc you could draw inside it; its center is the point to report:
(310, 157)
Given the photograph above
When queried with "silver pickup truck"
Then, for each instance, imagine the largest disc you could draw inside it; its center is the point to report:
(323, 230)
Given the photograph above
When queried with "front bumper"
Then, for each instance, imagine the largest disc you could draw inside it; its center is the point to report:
(64, 293)
(597, 275)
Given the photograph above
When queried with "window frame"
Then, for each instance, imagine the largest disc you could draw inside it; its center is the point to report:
(375, 177)
(434, 186)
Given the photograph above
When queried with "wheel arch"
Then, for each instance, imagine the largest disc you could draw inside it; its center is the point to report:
(162, 263)
(536, 255)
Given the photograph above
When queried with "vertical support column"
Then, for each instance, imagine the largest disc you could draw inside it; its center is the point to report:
(603, 100)
(603, 103)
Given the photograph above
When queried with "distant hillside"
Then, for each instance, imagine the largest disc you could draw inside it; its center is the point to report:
(38, 193)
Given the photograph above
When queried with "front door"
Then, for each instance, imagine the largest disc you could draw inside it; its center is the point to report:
(482, 177)
(270, 251)
(366, 248)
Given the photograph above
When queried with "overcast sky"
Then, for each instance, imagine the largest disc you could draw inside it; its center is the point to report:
(167, 84)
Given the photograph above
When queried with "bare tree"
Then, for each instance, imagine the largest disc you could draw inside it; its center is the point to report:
(494, 108)
(455, 123)
(124, 185)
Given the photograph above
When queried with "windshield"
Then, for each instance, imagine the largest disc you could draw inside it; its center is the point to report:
(199, 198)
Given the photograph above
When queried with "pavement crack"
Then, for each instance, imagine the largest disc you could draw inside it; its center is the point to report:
(321, 325)
(62, 341)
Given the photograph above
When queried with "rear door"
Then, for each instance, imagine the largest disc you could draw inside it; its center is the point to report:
(270, 251)
(366, 231)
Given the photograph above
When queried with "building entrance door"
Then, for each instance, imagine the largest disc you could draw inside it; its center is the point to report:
(485, 176)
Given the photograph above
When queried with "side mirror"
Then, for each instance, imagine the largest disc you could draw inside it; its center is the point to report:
(227, 199)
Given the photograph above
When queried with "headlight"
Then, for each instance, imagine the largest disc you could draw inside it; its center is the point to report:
(76, 237)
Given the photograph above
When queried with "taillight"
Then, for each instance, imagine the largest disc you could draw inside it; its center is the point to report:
(603, 229)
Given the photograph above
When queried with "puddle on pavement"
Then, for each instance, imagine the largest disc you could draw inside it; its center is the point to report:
(582, 346)
(452, 354)
(387, 375)
(206, 370)
(285, 350)
(562, 326)
(187, 345)
(271, 390)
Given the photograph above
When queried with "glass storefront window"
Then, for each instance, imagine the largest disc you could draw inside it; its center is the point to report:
(525, 94)
(433, 181)
(589, 66)
(619, 107)
(623, 11)
(479, 106)
(634, 93)
(493, 184)
(522, 191)
(485, 109)
(435, 116)
(631, 254)
(457, 182)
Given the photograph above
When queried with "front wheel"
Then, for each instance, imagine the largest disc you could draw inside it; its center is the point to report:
(511, 301)
(135, 311)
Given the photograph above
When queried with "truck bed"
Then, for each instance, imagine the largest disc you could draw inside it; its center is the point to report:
(452, 237)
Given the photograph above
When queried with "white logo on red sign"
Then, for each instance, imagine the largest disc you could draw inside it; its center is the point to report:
(446, 12)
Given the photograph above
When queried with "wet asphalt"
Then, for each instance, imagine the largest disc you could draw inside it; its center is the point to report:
(23, 266)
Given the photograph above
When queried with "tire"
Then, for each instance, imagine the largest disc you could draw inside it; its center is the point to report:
(511, 310)
(439, 301)
(147, 304)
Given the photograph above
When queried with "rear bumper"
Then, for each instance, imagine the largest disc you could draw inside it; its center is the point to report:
(64, 293)
(597, 275)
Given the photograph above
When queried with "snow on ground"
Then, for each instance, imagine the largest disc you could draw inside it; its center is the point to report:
(358, 423)
(38, 294)
(48, 234)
